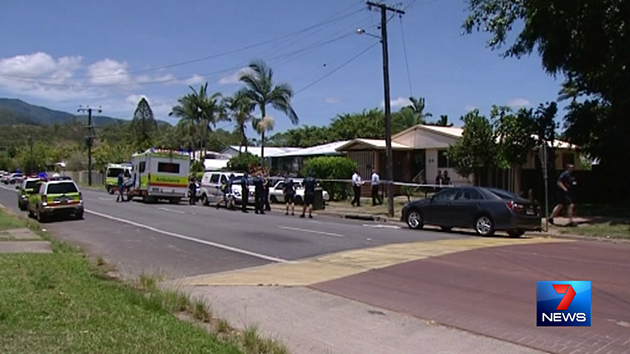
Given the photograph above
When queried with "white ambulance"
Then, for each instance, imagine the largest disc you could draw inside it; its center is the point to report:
(160, 175)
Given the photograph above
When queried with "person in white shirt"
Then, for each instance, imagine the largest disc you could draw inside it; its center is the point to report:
(376, 181)
(356, 188)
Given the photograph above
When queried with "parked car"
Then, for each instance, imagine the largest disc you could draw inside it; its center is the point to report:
(27, 188)
(16, 178)
(210, 192)
(56, 198)
(276, 195)
(485, 210)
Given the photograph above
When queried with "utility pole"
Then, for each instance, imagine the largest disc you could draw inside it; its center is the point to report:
(30, 144)
(388, 114)
(90, 138)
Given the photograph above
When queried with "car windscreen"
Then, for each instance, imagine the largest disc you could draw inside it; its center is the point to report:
(31, 184)
(62, 188)
(114, 172)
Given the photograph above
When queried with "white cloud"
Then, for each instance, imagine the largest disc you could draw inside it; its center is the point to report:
(332, 100)
(470, 107)
(398, 102)
(109, 72)
(194, 80)
(518, 102)
(234, 77)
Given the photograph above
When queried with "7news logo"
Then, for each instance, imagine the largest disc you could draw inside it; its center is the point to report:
(563, 303)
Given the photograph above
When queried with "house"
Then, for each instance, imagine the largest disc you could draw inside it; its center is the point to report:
(421, 151)
(293, 161)
(256, 150)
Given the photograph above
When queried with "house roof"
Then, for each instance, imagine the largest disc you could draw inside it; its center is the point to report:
(373, 144)
(269, 150)
(317, 150)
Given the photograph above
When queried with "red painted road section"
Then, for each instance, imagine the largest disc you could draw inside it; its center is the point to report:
(492, 291)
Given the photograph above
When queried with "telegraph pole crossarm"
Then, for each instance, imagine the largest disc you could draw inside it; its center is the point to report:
(388, 114)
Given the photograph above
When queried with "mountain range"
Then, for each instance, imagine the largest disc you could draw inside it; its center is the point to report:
(16, 111)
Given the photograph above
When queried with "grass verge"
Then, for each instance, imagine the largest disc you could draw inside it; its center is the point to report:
(61, 303)
(8, 222)
(605, 229)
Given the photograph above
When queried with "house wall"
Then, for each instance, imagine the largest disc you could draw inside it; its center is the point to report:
(432, 169)
(422, 139)
(366, 161)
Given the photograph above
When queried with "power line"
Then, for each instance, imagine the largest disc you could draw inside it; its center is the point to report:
(336, 69)
(402, 32)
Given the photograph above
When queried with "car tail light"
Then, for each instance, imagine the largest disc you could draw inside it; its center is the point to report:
(515, 207)
(44, 199)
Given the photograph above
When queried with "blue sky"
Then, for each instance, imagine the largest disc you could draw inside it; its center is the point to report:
(62, 54)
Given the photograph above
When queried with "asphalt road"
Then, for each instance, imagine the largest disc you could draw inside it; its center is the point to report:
(183, 240)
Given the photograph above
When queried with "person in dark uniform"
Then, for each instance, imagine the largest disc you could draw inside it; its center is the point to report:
(266, 193)
(192, 189)
(259, 193)
(288, 188)
(309, 194)
(244, 192)
(121, 181)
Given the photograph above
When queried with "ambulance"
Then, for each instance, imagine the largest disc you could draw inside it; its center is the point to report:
(111, 176)
(160, 175)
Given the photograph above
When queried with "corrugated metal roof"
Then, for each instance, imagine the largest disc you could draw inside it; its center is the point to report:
(324, 149)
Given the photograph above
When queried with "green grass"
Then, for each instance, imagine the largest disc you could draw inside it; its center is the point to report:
(61, 303)
(9, 222)
(606, 229)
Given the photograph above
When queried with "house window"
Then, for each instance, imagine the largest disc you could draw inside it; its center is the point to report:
(568, 158)
(443, 159)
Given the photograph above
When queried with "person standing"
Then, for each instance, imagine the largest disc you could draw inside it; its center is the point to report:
(288, 188)
(446, 179)
(356, 188)
(309, 195)
(439, 179)
(244, 192)
(192, 190)
(259, 193)
(121, 183)
(566, 193)
(266, 192)
(376, 181)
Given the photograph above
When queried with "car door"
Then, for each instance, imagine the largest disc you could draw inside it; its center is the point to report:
(466, 207)
(439, 212)
(214, 187)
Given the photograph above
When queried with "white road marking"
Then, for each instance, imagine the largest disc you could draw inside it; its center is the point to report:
(310, 231)
(172, 211)
(188, 238)
(381, 226)
(107, 199)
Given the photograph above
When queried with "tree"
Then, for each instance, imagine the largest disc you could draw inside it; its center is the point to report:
(244, 162)
(585, 41)
(262, 90)
(143, 126)
(442, 122)
(239, 109)
(475, 152)
(264, 125)
(417, 106)
(199, 110)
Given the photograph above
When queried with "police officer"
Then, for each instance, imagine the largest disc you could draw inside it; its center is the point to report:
(266, 193)
(192, 188)
(259, 193)
(288, 188)
(244, 192)
(309, 194)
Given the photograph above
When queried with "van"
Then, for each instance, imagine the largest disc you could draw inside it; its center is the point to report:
(111, 176)
(160, 176)
(210, 189)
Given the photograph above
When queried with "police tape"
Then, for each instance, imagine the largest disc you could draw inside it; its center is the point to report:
(382, 182)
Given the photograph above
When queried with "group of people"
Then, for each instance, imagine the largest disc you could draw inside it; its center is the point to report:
(289, 188)
(124, 182)
(443, 179)
(356, 188)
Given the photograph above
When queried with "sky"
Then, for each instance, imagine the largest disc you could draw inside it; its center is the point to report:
(109, 54)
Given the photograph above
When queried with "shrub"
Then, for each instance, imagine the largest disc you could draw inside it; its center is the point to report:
(244, 161)
(331, 167)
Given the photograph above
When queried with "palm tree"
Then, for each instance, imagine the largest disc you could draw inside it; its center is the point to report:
(239, 108)
(200, 110)
(569, 90)
(264, 125)
(417, 106)
(443, 121)
(261, 89)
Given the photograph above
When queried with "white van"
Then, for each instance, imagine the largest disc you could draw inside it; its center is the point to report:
(210, 189)
(160, 175)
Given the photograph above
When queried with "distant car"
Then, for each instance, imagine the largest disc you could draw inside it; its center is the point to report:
(16, 178)
(56, 198)
(27, 188)
(485, 210)
(276, 194)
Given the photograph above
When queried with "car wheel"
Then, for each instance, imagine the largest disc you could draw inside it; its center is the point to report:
(273, 199)
(484, 226)
(515, 233)
(110, 190)
(40, 217)
(204, 200)
(446, 228)
(414, 220)
(78, 216)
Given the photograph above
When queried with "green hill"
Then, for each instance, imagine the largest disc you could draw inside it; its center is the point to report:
(15, 111)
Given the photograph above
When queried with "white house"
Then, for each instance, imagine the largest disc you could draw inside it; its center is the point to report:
(256, 150)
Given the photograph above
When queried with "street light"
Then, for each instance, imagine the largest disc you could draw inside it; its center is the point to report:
(389, 156)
